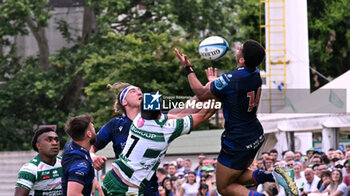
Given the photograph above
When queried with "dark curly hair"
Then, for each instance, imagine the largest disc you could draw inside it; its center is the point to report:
(37, 134)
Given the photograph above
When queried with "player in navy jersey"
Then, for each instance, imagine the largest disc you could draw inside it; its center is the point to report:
(239, 90)
(77, 167)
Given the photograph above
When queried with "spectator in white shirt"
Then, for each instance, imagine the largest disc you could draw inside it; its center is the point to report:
(337, 187)
(311, 181)
(299, 179)
(190, 187)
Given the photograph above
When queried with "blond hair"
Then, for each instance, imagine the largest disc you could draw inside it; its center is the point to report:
(117, 88)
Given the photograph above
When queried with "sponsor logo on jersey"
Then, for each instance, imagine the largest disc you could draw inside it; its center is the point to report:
(220, 83)
(80, 173)
(46, 177)
(52, 193)
(151, 101)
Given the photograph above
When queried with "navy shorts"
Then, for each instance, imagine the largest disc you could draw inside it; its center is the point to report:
(237, 159)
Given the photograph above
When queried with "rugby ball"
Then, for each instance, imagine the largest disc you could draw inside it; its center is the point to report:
(213, 48)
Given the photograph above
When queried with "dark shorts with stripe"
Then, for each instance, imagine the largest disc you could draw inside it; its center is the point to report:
(236, 158)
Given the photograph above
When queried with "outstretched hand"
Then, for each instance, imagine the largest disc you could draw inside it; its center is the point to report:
(211, 75)
(183, 58)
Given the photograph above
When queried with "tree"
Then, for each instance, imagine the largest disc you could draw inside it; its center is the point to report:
(329, 37)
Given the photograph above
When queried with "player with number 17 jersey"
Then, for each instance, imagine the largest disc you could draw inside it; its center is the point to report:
(240, 90)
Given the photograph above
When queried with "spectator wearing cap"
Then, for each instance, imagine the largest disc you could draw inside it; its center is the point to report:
(190, 187)
(339, 165)
(310, 152)
(311, 182)
(172, 170)
(204, 171)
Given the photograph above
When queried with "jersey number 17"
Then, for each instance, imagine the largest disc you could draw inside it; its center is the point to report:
(253, 99)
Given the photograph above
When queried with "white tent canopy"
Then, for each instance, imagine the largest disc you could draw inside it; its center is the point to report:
(324, 110)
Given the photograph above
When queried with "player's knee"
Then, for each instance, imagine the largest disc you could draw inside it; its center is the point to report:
(222, 190)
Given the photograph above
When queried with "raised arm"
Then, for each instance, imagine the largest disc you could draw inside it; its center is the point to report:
(202, 92)
(202, 116)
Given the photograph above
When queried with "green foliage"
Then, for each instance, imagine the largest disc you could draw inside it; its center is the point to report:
(329, 35)
(29, 99)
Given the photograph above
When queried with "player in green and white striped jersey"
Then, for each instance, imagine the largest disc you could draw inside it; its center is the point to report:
(42, 175)
(148, 140)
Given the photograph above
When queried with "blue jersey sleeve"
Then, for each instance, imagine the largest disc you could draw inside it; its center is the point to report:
(79, 171)
(105, 135)
(221, 86)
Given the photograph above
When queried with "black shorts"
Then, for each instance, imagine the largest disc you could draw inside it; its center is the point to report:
(237, 159)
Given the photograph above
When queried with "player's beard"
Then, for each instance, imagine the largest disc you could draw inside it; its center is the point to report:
(93, 139)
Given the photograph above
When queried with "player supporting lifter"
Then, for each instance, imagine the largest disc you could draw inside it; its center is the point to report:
(150, 135)
(239, 90)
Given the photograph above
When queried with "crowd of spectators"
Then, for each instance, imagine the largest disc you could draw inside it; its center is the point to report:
(315, 173)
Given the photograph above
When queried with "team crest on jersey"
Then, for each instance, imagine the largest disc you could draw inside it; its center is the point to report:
(151, 101)
(220, 83)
